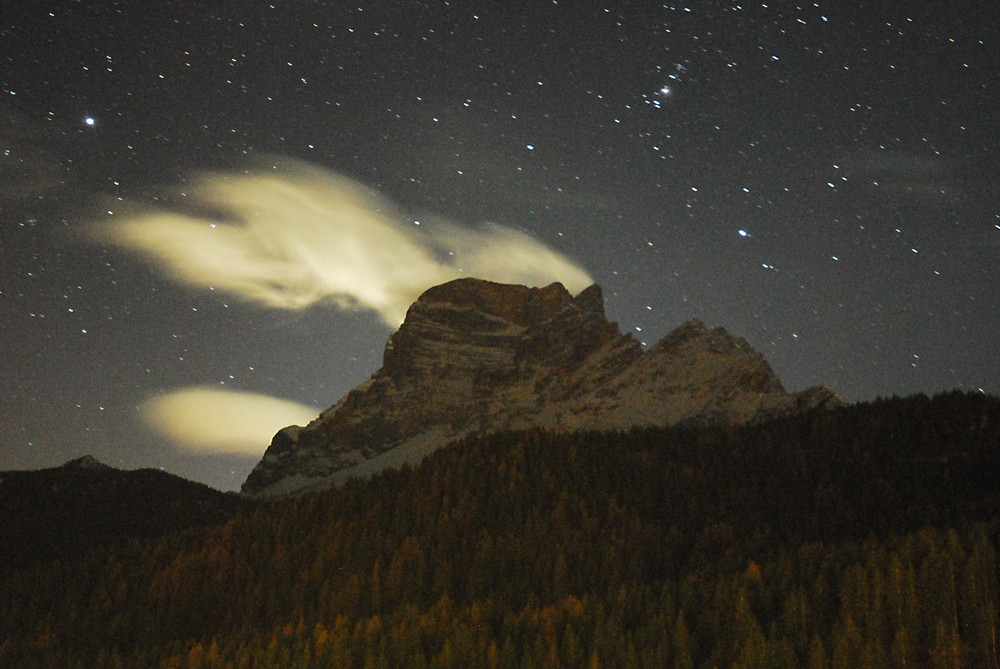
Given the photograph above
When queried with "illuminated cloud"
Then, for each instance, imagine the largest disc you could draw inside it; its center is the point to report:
(296, 235)
(207, 419)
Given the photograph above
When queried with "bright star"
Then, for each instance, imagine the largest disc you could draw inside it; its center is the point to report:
(89, 120)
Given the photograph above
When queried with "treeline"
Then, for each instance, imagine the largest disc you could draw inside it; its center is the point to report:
(863, 537)
(64, 511)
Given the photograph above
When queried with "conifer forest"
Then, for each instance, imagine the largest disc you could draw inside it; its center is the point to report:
(862, 537)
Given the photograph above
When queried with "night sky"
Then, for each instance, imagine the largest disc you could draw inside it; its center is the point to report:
(214, 214)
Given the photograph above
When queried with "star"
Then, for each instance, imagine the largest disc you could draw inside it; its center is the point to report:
(687, 162)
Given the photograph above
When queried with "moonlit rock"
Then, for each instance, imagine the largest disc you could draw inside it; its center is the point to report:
(474, 356)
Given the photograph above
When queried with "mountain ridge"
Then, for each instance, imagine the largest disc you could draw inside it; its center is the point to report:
(479, 356)
(534, 545)
(65, 511)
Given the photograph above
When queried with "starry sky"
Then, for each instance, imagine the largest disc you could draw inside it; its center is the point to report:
(213, 215)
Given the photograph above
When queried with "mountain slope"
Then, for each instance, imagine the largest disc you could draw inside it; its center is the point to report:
(863, 536)
(63, 511)
(475, 356)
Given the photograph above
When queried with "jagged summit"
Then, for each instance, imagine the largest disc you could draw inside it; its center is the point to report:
(517, 304)
(474, 355)
(496, 329)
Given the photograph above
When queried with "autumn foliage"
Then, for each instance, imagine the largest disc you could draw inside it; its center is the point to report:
(862, 537)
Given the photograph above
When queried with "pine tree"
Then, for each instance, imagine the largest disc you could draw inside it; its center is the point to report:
(817, 658)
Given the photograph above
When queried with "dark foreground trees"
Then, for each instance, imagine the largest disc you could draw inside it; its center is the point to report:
(864, 537)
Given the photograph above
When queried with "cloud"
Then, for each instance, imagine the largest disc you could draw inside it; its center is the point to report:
(295, 235)
(208, 419)
(906, 174)
(29, 167)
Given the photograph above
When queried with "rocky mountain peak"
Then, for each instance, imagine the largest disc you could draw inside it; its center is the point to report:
(472, 325)
(474, 355)
(693, 335)
(519, 305)
(716, 354)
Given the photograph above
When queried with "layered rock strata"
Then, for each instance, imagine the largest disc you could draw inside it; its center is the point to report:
(477, 356)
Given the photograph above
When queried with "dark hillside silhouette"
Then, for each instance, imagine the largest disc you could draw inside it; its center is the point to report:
(64, 511)
(859, 537)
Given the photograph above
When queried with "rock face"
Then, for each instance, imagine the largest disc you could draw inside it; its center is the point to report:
(477, 356)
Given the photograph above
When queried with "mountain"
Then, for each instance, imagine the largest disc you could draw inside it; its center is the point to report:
(473, 356)
(61, 512)
(865, 536)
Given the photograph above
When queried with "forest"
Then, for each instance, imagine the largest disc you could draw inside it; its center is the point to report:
(860, 537)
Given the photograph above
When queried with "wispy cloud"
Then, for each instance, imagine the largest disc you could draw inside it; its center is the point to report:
(205, 419)
(29, 166)
(906, 174)
(294, 235)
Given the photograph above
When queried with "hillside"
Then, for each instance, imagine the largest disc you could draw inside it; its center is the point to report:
(62, 512)
(859, 537)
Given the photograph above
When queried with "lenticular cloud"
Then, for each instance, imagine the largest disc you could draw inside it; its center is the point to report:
(297, 235)
(203, 419)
